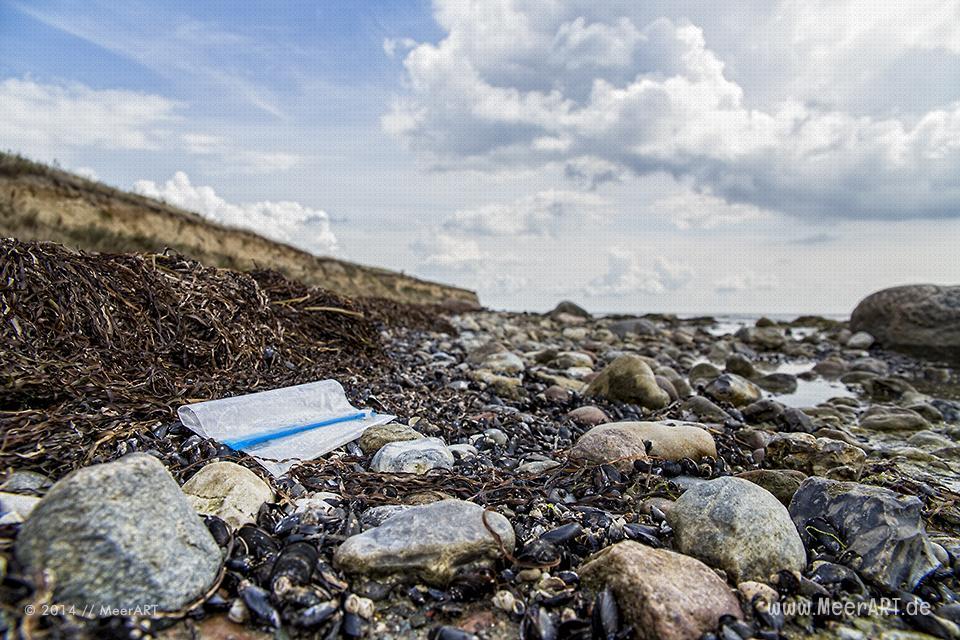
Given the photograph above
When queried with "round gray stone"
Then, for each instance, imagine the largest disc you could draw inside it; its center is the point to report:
(120, 535)
(735, 525)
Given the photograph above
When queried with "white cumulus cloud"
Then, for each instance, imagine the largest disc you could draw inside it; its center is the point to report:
(448, 253)
(538, 214)
(691, 210)
(289, 222)
(537, 82)
(626, 274)
(40, 118)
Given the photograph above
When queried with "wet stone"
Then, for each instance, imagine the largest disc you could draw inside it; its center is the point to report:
(817, 456)
(662, 594)
(733, 389)
(882, 531)
(778, 382)
(629, 379)
(895, 421)
(705, 409)
(431, 543)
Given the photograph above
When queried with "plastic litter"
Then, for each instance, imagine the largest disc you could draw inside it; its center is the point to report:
(283, 426)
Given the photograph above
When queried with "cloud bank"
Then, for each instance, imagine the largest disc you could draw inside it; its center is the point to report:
(531, 82)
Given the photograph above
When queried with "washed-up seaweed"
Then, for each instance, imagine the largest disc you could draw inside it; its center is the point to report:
(94, 348)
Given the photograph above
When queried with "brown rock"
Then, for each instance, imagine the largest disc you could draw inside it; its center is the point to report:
(629, 379)
(588, 416)
(374, 438)
(832, 459)
(782, 483)
(662, 594)
(558, 394)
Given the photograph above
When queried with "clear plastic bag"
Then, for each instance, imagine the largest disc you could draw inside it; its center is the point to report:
(283, 426)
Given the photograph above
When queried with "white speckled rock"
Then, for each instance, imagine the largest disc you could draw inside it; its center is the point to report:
(431, 543)
(413, 456)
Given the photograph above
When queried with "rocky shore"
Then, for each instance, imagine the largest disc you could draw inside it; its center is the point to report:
(548, 476)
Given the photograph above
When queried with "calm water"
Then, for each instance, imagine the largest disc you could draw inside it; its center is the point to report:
(810, 393)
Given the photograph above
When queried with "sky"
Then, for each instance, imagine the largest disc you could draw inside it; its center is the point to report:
(683, 156)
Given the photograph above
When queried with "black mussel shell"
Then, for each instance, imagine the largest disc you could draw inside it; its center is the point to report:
(295, 563)
(218, 529)
(606, 615)
(258, 601)
(562, 534)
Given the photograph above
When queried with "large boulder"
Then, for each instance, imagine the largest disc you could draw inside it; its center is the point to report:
(662, 594)
(735, 525)
(120, 535)
(922, 319)
(629, 379)
(432, 543)
(881, 531)
(569, 308)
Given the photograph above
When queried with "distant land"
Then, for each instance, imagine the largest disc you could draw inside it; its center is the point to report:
(40, 202)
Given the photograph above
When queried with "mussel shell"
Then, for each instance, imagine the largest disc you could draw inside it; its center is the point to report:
(257, 541)
(539, 552)
(606, 615)
(470, 586)
(538, 624)
(315, 615)
(450, 633)
(562, 534)
(295, 563)
(642, 533)
(218, 529)
(258, 601)
(352, 625)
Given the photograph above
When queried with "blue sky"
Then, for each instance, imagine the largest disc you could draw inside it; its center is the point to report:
(661, 156)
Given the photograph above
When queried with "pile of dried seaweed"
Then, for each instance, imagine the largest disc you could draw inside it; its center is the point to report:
(96, 347)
